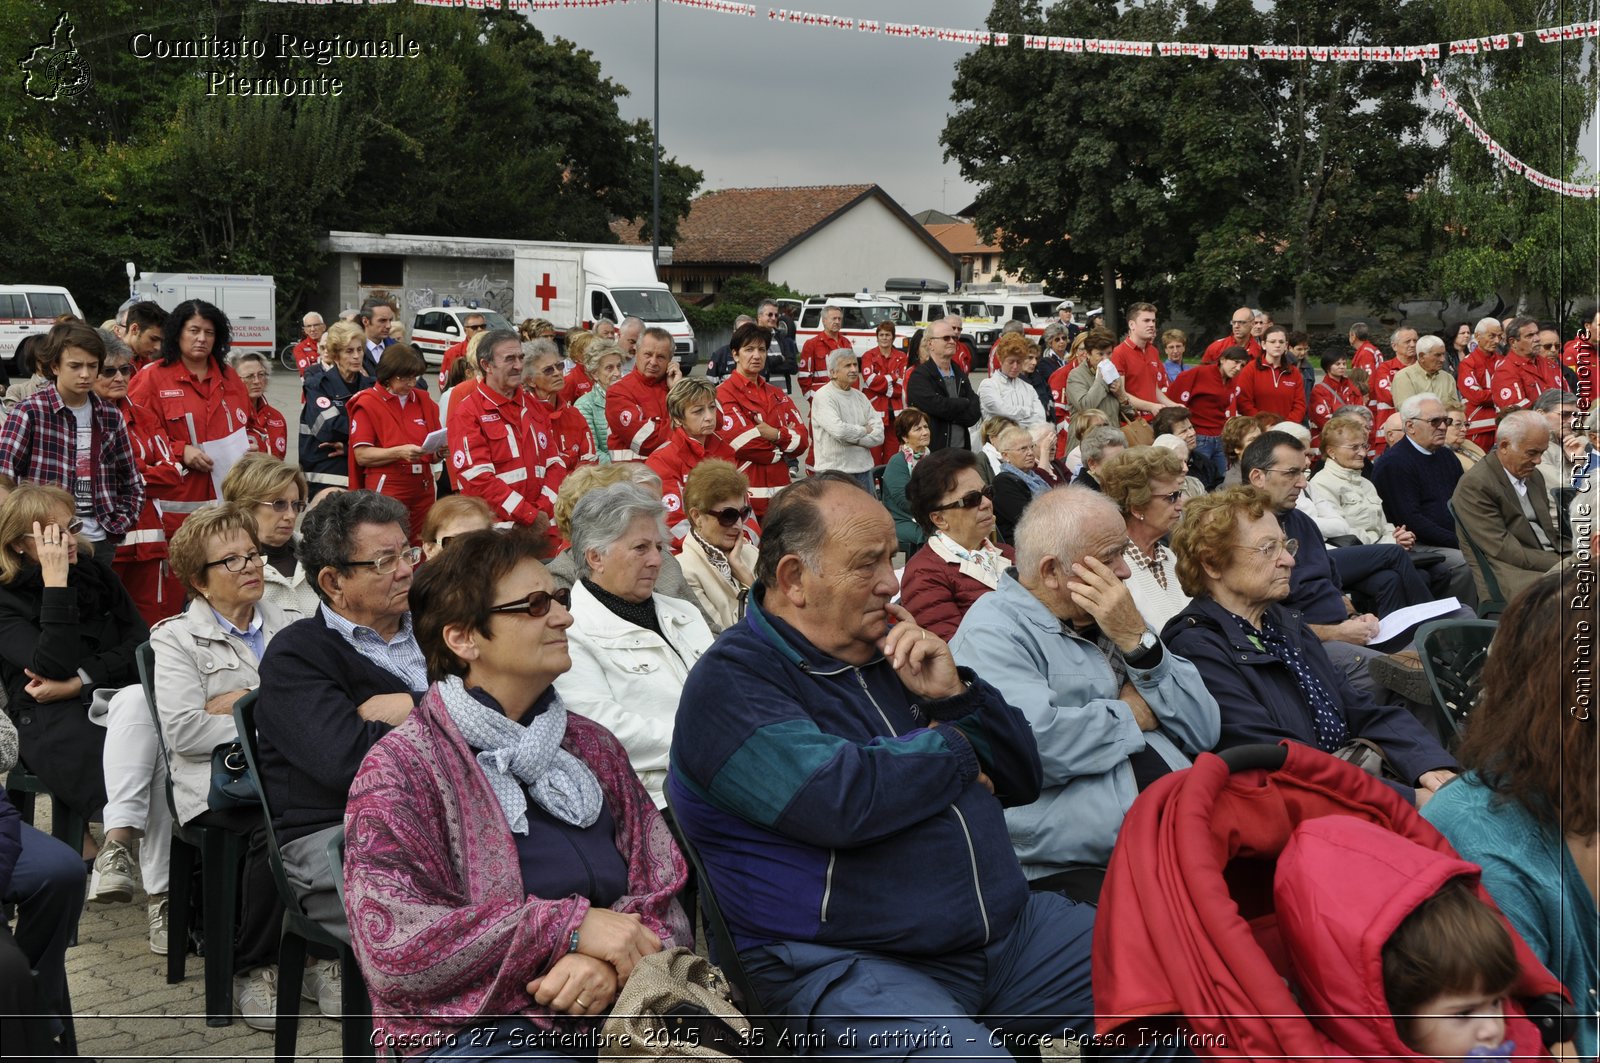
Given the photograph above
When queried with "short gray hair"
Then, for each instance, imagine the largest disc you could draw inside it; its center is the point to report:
(1554, 399)
(236, 358)
(1394, 337)
(1051, 331)
(1485, 322)
(494, 338)
(1354, 409)
(116, 347)
(327, 534)
(1094, 443)
(1429, 344)
(1412, 407)
(1516, 426)
(597, 352)
(1057, 524)
(839, 354)
(605, 514)
(540, 348)
(763, 304)
(1011, 326)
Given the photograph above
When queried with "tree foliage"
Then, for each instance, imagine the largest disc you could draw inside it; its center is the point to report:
(493, 130)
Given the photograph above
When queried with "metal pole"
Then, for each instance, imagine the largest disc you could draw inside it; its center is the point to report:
(655, 155)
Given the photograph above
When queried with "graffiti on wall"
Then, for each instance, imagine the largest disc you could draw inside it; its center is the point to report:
(491, 293)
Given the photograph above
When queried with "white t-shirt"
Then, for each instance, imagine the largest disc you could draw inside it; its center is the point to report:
(83, 482)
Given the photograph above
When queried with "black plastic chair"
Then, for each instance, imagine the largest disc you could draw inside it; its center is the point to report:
(217, 840)
(1494, 602)
(23, 786)
(300, 930)
(1453, 653)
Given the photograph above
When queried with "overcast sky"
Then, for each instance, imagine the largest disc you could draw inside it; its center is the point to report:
(754, 103)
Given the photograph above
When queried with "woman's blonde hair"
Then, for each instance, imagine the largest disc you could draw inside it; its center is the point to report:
(581, 481)
(339, 336)
(578, 341)
(27, 505)
(186, 553)
(257, 479)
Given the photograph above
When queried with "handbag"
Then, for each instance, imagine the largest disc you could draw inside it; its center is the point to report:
(1369, 757)
(232, 785)
(1137, 431)
(676, 1005)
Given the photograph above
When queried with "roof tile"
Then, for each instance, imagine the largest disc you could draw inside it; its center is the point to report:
(748, 226)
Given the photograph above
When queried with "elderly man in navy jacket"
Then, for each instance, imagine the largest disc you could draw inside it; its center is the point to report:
(845, 783)
(1415, 478)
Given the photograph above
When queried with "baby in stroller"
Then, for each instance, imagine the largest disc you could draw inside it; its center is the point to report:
(1392, 948)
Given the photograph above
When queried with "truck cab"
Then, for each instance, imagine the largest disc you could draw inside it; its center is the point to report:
(27, 310)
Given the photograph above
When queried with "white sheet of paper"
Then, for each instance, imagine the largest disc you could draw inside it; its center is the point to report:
(435, 441)
(224, 454)
(1409, 617)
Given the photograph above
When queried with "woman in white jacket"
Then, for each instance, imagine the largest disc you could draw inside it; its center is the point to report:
(1340, 483)
(844, 425)
(1005, 392)
(631, 648)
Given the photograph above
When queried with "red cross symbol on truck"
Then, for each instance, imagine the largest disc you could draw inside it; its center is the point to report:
(545, 292)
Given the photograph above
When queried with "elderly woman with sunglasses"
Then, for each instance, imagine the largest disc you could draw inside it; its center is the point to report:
(631, 648)
(504, 868)
(959, 563)
(1146, 483)
(718, 558)
(274, 493)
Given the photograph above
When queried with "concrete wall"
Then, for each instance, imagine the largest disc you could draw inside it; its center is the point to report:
(428, 280)
(859, 249)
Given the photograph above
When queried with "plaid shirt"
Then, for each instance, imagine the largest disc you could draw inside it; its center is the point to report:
(39, 444)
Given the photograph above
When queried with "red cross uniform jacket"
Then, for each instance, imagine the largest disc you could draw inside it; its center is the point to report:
(576, 385)
(1475, 381)
(745, 405)
(814, 360)
(573, 438)
(1214, 350)
(636, 416)
(191, 412)
(672, 463)
(305, 355)
(1366, 357)
(1279, 390)
(502, 452)
(379, 419)
(1378, 393)
(269, 430)
(1519, 380)
(147, 540)
(1211, 400)
(1330, 394)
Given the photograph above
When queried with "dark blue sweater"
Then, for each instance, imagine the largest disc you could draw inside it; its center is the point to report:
(1416, 489)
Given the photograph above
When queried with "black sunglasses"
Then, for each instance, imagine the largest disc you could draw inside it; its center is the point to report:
(730, 516)
(109, 371)
(970, 500)
(537, 603)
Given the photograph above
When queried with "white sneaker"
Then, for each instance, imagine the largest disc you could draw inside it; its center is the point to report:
(256, 996)
(113, 879)
(158, 924)
(324, 983)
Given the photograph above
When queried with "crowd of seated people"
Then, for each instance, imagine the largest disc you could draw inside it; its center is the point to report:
(904, 785)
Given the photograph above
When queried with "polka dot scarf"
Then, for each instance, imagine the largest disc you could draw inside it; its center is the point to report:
(1332, 732)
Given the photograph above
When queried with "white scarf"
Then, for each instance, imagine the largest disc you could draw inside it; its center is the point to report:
(513, 757)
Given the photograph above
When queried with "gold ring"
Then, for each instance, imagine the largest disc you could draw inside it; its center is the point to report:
(582, 1003)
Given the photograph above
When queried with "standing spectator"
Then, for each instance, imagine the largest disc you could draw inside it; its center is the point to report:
(146, 322)
(1523, 375)
(912, 429)
(1003, 392)
(759, 422)
(1240, 336)
(494, 437)
(1426, 374)
(1068, 326)
(602, 362)
(67, 436)
(883, 380)
(692, 405)
(1404, 343)
(720, 365)
(578, 382)
(1581, 358)
(471, 325)
(783, 357)
(269, 432)
(201, 402)
(1300, 358)
(571, 441)
(1364, 355)
(324, 420)
(1269, 385)
(141, 558)
(636, 405)
(960, 563)
(1173, 345)
(1476, 381)
(814, 355)
(1458, 347)
(1211, 394)
(1087, 387)
(718, 558)
(389, 422)
(376, 318)
(941, 390)
(1334, 390)
(309, 348)
(845, 425)
(1138, 359)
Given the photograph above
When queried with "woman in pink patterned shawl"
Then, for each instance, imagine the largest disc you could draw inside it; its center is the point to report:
(504, 867)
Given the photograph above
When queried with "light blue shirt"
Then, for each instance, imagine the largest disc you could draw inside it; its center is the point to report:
(400, 655)
(253, 636)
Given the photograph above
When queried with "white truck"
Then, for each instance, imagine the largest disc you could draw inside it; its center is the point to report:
(575, 285)
(250, 302)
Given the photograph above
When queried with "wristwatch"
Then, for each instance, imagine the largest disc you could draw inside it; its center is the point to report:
(1147, 654)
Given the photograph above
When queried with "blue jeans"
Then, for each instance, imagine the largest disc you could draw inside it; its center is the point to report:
(1209, 451)
(47, 888)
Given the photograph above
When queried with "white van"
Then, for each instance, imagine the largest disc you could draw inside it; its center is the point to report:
(862, 311)
(29, 309)
(575, 285)
(250, 301)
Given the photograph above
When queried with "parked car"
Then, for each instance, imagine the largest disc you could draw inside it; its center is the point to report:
(27, 309)
(435, 328)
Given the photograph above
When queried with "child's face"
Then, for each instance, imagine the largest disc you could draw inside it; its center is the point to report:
(1452, 1024)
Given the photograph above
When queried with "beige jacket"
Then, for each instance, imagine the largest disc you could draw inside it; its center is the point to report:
(718, 601)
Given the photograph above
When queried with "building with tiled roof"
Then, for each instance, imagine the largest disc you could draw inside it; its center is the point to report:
(820, 238)
(978, 259)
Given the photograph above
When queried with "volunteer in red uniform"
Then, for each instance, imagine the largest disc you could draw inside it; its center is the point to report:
(309, 349)
(1379, 396)
(500, 443)
(471, 326)
(1333, 391)
(692, 403)
(814, 355)
(1138, 358)
(759, 422)
(389, 422)
(1270, 384)
(883, 381)
(1523, 375)
(569, 429)
(141, 558)
(1365, 356)
(198, 400)
(1582, 357)
(269, 432)
(1211, 392)
(636, 405)
(1240, 337)
(1475, 381)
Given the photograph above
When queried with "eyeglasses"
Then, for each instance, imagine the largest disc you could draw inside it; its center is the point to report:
(1170, 499)
(931, 338)
(730, 516)
(109, 371)
(386, 564)
(1293, 474)
(970, 500)
(537, 603)
(1269, 550)
(284, 505)
(476, 328)
(550, 370)
(74, 527)
(1548, 346)
(237, 563)
(1437, 422)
